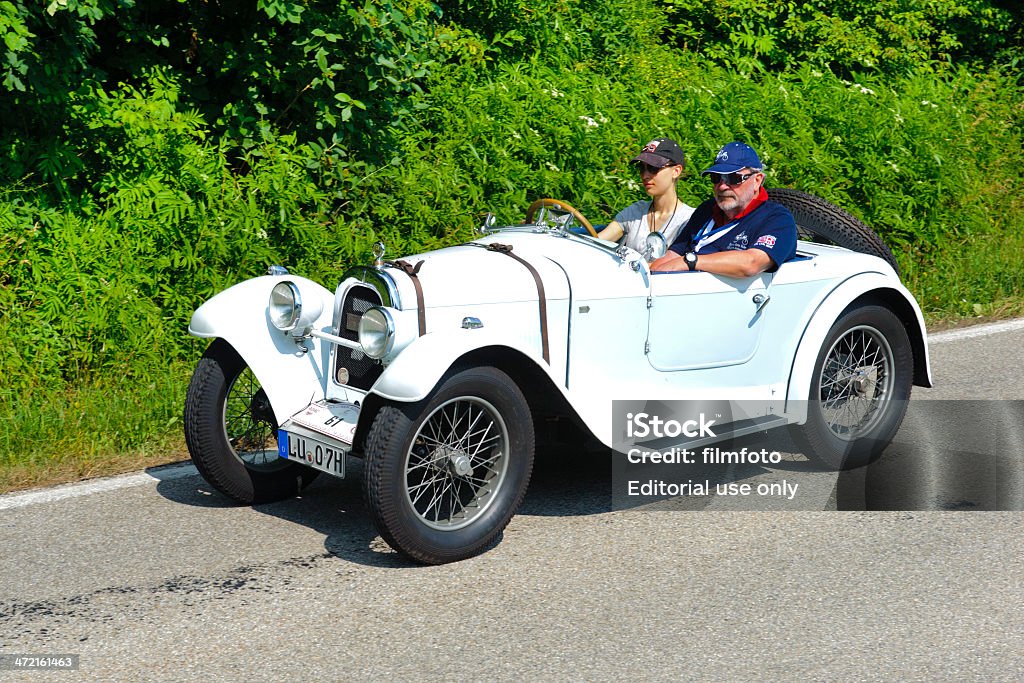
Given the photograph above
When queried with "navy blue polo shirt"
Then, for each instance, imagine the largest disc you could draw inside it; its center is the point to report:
(769, 227)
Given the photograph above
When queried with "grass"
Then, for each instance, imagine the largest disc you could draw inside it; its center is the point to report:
(98, 428)
(162, 450)
(982, 282)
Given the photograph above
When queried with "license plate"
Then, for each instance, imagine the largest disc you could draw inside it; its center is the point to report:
(311, 452)
(334, 419)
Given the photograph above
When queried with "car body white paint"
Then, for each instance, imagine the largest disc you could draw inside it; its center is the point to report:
(615, 330)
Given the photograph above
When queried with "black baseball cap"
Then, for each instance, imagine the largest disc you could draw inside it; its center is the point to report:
(661, 152)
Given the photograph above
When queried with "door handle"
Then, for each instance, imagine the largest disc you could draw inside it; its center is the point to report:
(761, 300)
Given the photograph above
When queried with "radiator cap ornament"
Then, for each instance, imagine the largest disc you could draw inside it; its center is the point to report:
(378, 254)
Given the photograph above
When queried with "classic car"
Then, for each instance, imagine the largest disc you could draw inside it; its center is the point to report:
(436, 369)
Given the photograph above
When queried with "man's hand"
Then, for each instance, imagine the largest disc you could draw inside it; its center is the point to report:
(671, 261)
(745, 263)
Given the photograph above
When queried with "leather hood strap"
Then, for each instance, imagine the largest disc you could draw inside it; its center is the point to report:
(413, 271)
(541, 298)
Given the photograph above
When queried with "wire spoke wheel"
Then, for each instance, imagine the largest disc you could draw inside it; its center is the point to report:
(457, 463)
(249, 423)
(859, 390)
(231, 431)
(444, 476)
(855, 382)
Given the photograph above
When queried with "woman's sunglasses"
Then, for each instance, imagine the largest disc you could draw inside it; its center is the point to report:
(641, 167)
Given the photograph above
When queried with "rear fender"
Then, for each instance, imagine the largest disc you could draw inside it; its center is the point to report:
(290, 377)
(875, 286)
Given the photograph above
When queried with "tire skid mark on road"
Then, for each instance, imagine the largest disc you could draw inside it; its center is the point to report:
(43, 621)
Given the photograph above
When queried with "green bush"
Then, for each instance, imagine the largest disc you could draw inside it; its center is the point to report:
(152, 158)
(892, 37)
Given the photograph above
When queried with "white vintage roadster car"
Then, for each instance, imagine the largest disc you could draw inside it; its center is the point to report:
(435, 369)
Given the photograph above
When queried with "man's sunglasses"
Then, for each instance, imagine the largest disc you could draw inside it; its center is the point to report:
(731, 178)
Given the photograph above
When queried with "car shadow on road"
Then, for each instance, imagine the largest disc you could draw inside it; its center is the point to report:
(566, 483)
(330, 506)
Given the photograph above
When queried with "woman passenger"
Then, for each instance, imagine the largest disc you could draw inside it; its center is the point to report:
(660, 163)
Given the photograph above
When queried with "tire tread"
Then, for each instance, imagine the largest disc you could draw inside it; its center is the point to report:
(836, 226)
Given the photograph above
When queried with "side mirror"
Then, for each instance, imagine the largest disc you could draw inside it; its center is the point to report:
(655, 246)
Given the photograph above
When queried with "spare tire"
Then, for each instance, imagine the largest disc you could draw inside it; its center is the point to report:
(825, 223)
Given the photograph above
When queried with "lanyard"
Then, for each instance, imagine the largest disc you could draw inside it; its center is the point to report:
(707, 235)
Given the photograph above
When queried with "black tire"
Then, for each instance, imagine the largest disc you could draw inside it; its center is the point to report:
(440, 496)
(825, 223)
(231, 432)
(859, 391)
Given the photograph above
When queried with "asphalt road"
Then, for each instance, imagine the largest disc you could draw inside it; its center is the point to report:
(155, 577)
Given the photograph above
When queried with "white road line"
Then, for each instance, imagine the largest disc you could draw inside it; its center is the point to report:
(16, 500)
(976, 331)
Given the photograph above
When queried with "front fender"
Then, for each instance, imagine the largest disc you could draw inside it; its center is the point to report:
(290, 377)
(420, 366)
(829, 310)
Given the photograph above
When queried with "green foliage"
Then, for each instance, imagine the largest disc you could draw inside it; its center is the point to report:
(890, 36)
(325, 71)
(152, 156)
(60, 433)
(16, 37)
(572, 34)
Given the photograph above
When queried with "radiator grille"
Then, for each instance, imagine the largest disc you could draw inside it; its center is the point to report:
(353, 367)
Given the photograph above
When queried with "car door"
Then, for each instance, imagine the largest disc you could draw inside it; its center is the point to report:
(701, 320)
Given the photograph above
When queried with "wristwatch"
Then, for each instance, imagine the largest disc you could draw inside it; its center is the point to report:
(691, 260)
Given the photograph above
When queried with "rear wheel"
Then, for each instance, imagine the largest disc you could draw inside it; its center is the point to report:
(444, 476)
(859, 390)
(231, 432)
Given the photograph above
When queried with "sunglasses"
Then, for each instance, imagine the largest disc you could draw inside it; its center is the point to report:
(641, 167)
(731, 178)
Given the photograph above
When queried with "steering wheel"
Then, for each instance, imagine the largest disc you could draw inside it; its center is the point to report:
(560, 206)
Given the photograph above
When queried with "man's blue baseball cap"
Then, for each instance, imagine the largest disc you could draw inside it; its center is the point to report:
(734, 157)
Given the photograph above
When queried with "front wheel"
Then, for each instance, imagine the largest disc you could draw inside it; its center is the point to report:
(444, 476)
(859, 390)
(231, 432)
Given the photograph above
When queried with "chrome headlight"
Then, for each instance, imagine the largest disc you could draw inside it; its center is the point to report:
(285, 306)
(376, 332)
(290, 312)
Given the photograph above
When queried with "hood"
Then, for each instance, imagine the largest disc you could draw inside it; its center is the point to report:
(472, 274)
